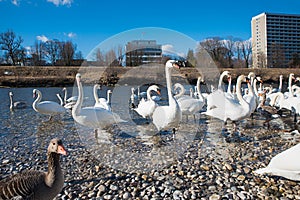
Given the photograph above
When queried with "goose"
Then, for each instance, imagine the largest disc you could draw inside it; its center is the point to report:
(230, 109)
(16, 104)
(168, 116)
(146, 107)
(190, 106)
(284, 164)
(102, 102)
(37, 185)
(46, 107)
(93, 117)
(267, 111)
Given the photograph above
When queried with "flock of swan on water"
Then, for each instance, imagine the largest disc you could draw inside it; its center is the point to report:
(233, 104)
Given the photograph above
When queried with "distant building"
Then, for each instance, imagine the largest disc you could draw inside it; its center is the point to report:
(139, 52)
(275, 38)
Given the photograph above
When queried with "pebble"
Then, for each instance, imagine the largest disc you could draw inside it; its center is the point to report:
(204, 171)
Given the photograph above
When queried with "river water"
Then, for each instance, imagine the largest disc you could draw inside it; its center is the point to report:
(131, 146)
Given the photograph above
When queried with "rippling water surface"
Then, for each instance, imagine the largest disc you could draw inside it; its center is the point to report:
(125, 145)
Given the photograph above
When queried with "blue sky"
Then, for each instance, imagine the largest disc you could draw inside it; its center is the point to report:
(90, 22)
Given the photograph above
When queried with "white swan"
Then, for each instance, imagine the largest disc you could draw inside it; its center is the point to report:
(46, 107)
(217, 97)
(231, 109)
(70, 99)
(190, 106)
(284, 164)
(280, 85)
(167, 117)
(17, 104)
(133, 98)
(147, 107)
(93, 117)
(251, 97)
(102, 102)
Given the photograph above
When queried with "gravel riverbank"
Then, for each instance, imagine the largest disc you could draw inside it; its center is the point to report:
(206, 170)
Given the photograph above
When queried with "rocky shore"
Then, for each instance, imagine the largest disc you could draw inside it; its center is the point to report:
(205, 170)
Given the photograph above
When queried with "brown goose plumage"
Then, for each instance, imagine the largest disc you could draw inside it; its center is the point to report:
(37, 185)
(265, 110)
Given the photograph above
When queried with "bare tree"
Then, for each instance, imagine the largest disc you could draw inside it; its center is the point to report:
(111, 58)
(10, 43)
(246, 50)
(229, 45)
(67, 51)
(37, 53)
(261, 58)
(52, 50)
(120, 55)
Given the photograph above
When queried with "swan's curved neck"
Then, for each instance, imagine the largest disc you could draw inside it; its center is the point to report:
(77, 107)
(96, 94)
(60, 99)
(39, 97)
(255, 87)
(108, 96)
(280, 84)
(229, 86)
(65, 97)
(220, 81)
(149, 94)
(239, 91)
(169, 85)
(11, 102)
(274, 100)
(199, 89)
(181, 90)
(290, 86)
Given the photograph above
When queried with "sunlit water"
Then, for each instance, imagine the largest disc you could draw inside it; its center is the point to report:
(131, 146)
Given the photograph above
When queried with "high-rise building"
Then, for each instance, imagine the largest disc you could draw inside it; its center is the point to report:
(139, 52)
(275, 38)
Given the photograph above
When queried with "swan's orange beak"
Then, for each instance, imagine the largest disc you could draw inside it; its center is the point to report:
(158, 92)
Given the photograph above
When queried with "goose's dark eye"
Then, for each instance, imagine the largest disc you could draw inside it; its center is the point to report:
(53, 143)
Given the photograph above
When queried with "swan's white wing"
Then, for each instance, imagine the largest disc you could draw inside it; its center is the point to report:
(49, 107)
(146, 108)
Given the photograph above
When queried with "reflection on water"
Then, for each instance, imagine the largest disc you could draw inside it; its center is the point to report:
(129, 146)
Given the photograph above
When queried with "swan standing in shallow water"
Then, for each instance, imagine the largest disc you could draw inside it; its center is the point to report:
(17, 104)
(168, 117)
(231, 109)
(46, 107)
(190, 106)
(146, 107)
(285, 164)
(102, 102)
(218, 96)
(93, 117)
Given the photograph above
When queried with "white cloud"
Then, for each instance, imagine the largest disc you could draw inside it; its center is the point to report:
(42, 38)
(169, 49)
(15, 2)
(61, 2)
(71, 35)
